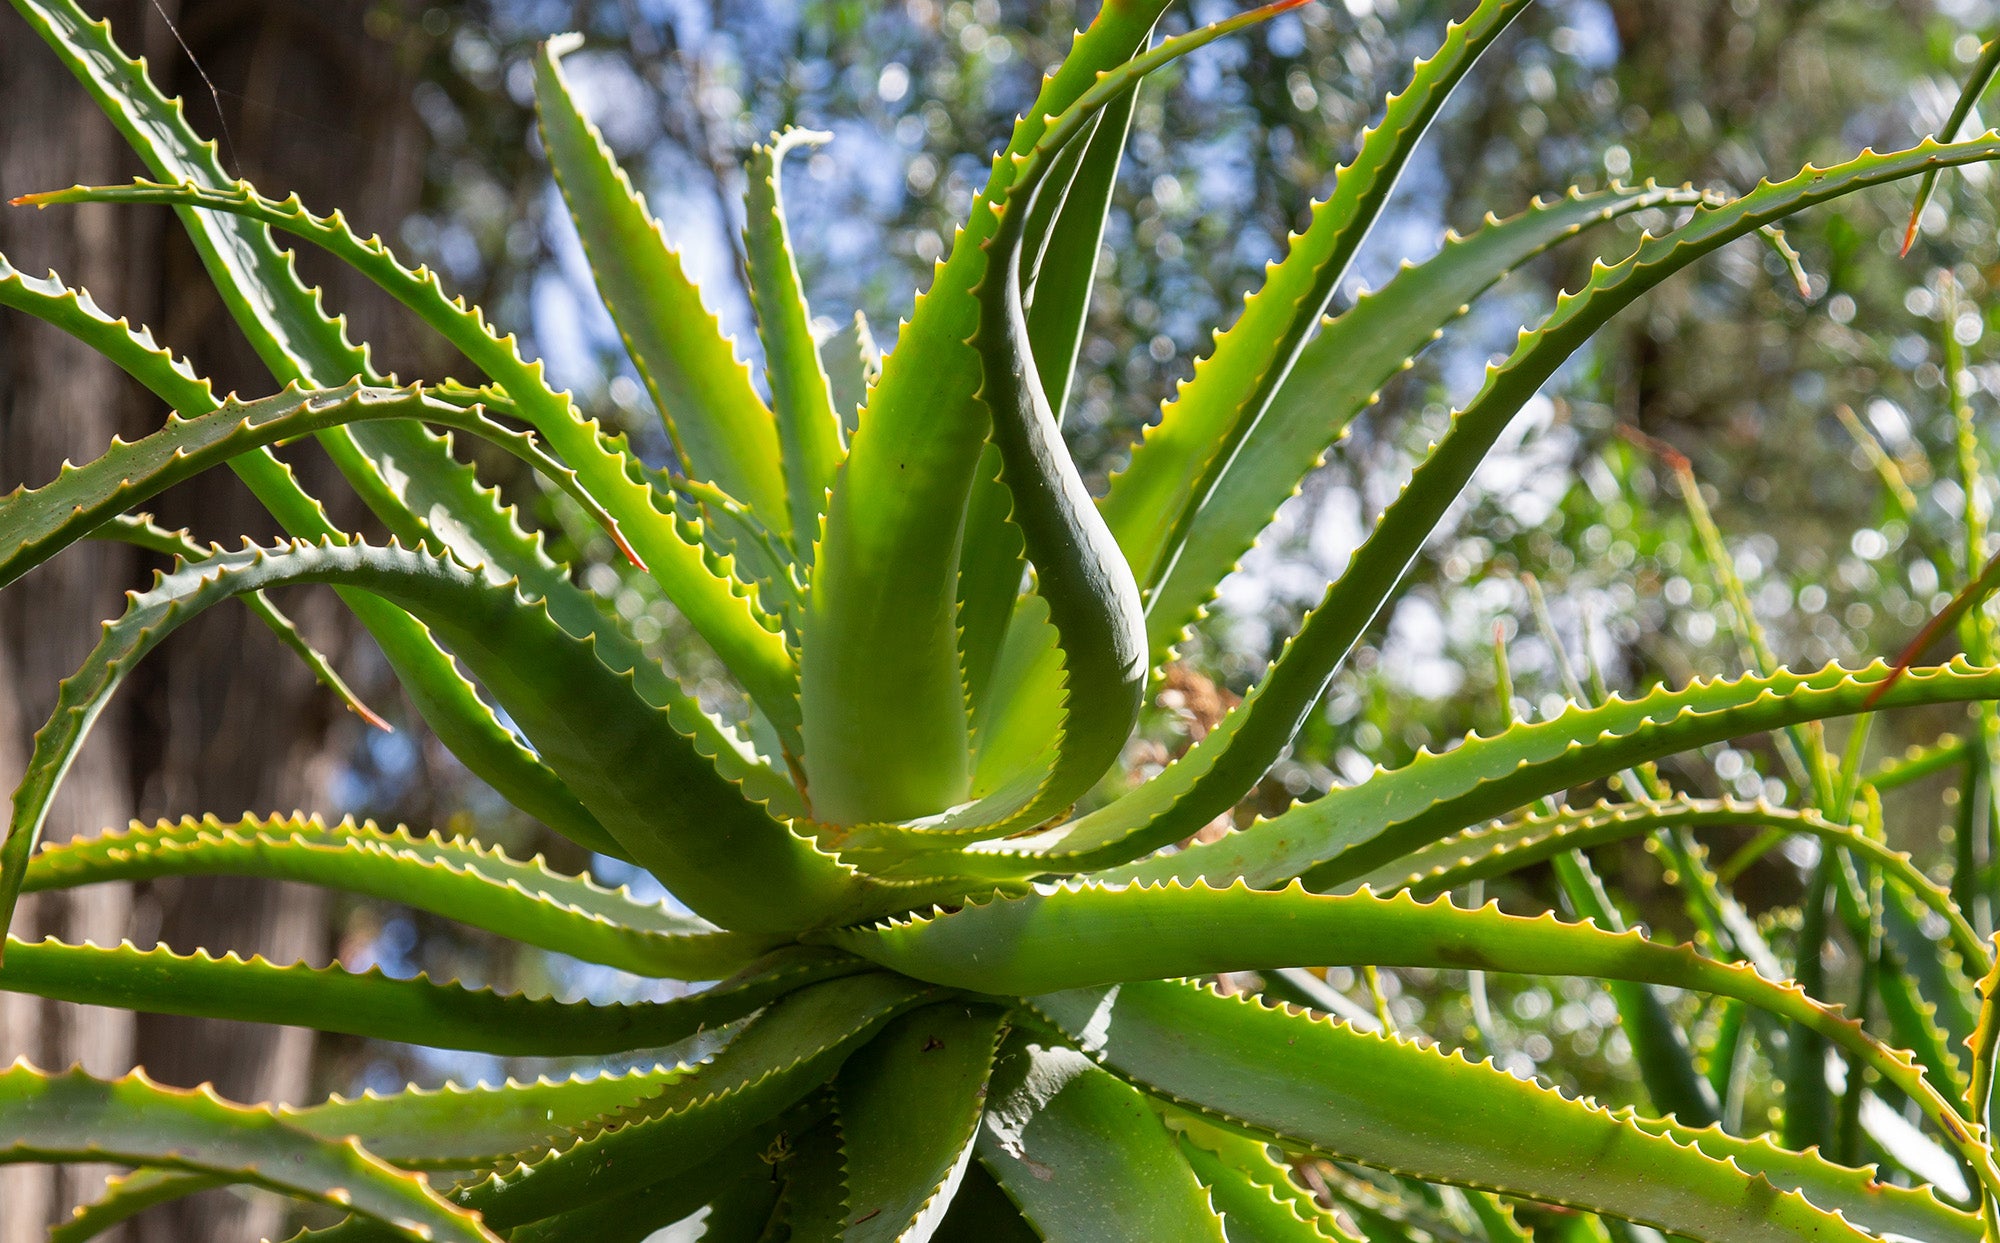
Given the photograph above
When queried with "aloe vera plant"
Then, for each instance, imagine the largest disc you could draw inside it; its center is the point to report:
(971, 976)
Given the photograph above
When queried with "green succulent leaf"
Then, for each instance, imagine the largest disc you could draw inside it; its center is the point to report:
(1085, 1156)
(441, 694)
(1936, 977)
(633, 756)
(1976, 82)
(454, 878)
(404, 473)
(1487, 851)
(36, 524)
(74, 1117)
(171, 378)
(813, 1202)
(1216, 772)
(455, 1127)
(1862, 1196)
(1064, 235)
(1253, 1192)
(997, 641)
(881, 684)
(1351, 831)
(128, 1195)
(1078, 936)
(809, 431)
(732, 532)
(140, 531)
(793, 1047)
(1371, 825)
(1174, 469)
(1093, 601)
(1338, 373)
(863, 851)
(1381, 1101)
(283, 320)
(1064, 240)
(909, 1106)
(703, 588)
(369, 1003)
(734, 1186)
(722, 430)
(1919, 1024)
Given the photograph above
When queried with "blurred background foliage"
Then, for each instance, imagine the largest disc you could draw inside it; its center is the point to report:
(1812, 404)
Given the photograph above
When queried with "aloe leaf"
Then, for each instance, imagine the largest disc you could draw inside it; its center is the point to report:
(713, 601)
(1381, 1101)
(734, 1186)
(881, 687)
(37, 523)
(1984, 1046)
(441, 694)
(1674, 1085)
(1338, 374)
(1173, 469)
(74, 1117)
(1085, 1156)
(790, 1049)
(140, 531)
(1487, 851)
(982, 1213)
(1862, 1196)
(852, 362)
(633, 756)
(1093, 600)
(1064, 243)
(283, 321)
(1064, 235)
(1077, 936)
(1386, 1209)
(1915, 1021)
(1395, 812)
(125, 1196)
(1340, 836)
(134, 350)
(1021, 711)
(1938, 981)
(1976, 82)
(403, 472)
(457, 1127)
(813, 1202)
(732, 534)
(456, 879)
(909, 1106)
(809, 431)
(1216, 772)
(721, 429)
(992, 564)
(369, 1003)
(1254, 1193)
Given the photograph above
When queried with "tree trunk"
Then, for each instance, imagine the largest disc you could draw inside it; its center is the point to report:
(221, 718)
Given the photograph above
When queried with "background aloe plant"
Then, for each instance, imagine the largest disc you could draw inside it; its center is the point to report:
(953, 938)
